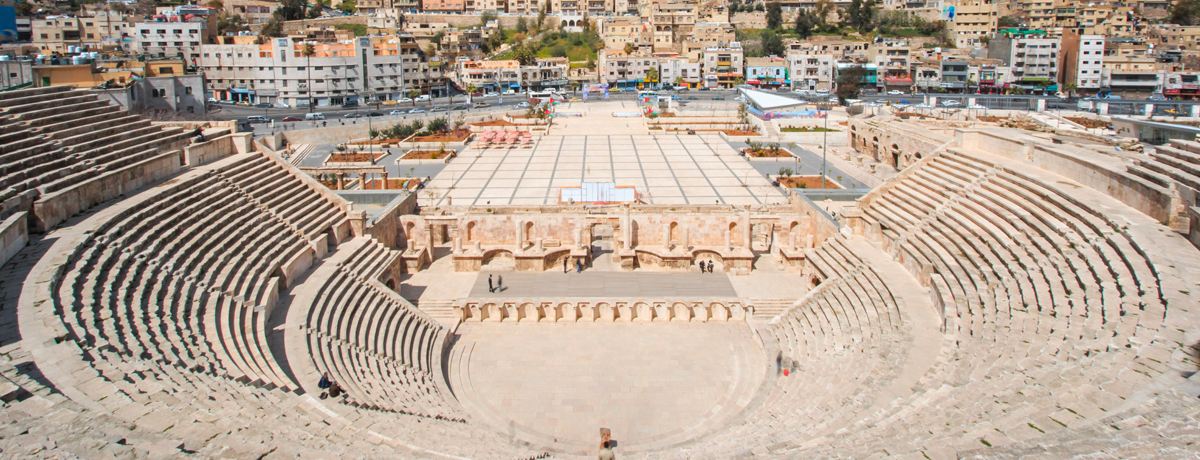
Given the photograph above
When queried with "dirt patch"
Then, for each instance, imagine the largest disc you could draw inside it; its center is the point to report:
(354, 157)
(738, 132)
(495, 123)
(991, 119)
(454, 136)
(1088, 123)
(426, 154)
(393, 184)
(808, 182)
(767, 152)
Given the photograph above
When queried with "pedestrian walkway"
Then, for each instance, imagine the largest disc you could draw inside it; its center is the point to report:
(555, 284)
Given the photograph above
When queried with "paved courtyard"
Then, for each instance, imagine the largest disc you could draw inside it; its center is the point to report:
(652, 384)
(664, 169)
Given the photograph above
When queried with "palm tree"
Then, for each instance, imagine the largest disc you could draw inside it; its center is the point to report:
(652, 75)
(1071, 88)
(309, 51)
(630, 48)
(471, 88)
(414, 94)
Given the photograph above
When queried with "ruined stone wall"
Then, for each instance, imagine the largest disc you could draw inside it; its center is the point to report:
(890, 142)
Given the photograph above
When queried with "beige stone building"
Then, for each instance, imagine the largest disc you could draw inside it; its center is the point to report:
(723, 66)
(973, 20)
(102, 31)
(624, 71)
(616, 32)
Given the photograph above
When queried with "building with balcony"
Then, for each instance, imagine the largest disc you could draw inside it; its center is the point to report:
(723, 67)
(1178, 37)
(279, 71)
(260, 12)
(173, 36)
(104, 30)
(1133, 76)
(546, 73)
(927, 77)
(443, 6)
(627, 72)
(1033, 56)
(893, 59)
(869, 80)
(680, 71)
(616, 32)
(489, 76)
(810, 69)
(973, 20)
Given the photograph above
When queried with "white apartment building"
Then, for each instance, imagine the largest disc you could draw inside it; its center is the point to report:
(810, 68)
(1090, 63)
(170, 39)
(680, 71)
(378, 67)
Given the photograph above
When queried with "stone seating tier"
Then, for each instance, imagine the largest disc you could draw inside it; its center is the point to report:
(45, 147)
(1043, 291)
(382, 348)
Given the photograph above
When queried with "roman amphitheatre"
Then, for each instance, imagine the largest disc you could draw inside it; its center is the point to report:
(991, 292)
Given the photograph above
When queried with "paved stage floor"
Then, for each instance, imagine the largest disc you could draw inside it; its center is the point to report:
(555, 284)
(665, 169)
(650, 383)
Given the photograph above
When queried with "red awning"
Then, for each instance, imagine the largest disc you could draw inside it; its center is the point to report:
(898, 80)
(753, 82)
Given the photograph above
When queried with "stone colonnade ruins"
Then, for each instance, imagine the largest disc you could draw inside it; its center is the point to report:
(639, 236)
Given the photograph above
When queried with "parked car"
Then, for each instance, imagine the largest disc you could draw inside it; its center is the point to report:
(416, 111)
(242, 103)
(404, 99)
(438, 109)
(523, 105)
(292, 118)
(491, 95)
(213, 100)
(257, 119)
(281, 106)
(398, 112)
(510, 92)
(483, 105)
(460, 107)
(423, 98)
(895, 92)
(375, 114)
(314, 116)
(352, 115)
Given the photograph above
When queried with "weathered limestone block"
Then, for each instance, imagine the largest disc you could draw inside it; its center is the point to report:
(682, 312)
(607, 313)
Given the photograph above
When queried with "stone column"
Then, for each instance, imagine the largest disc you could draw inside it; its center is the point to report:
(792, 239)
(341, 181)
(687, 234)
(728, 240)
(627, 229)
(429, 236)
(385, 179)
(457, 245)
(746, 238)
(520, 235)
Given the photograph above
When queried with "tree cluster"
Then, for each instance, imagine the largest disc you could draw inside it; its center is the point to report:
(1185, 12)
(849, 82)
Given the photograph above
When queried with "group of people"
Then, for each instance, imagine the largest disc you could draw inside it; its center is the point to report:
(706, 267)
(330, 388)
(495, 287)
(578, 265)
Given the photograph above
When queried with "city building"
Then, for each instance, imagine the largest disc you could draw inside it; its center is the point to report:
(1082, 62)
(680, 71)
(257, 11)
(173, 36)
(723, 66)
(973, 20)
(626, 72)
(810, 69)
(1132, 76)
(768, 72)
(489, 76)
(279, 71)
(1033, 56)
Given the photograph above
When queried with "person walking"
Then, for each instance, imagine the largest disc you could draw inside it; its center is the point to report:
(490, 288)
(578, 266)
(565, 263)
(500, 283)
(710, 266)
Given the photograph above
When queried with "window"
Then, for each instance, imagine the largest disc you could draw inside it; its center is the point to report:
(44, 36)
(187, 90)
